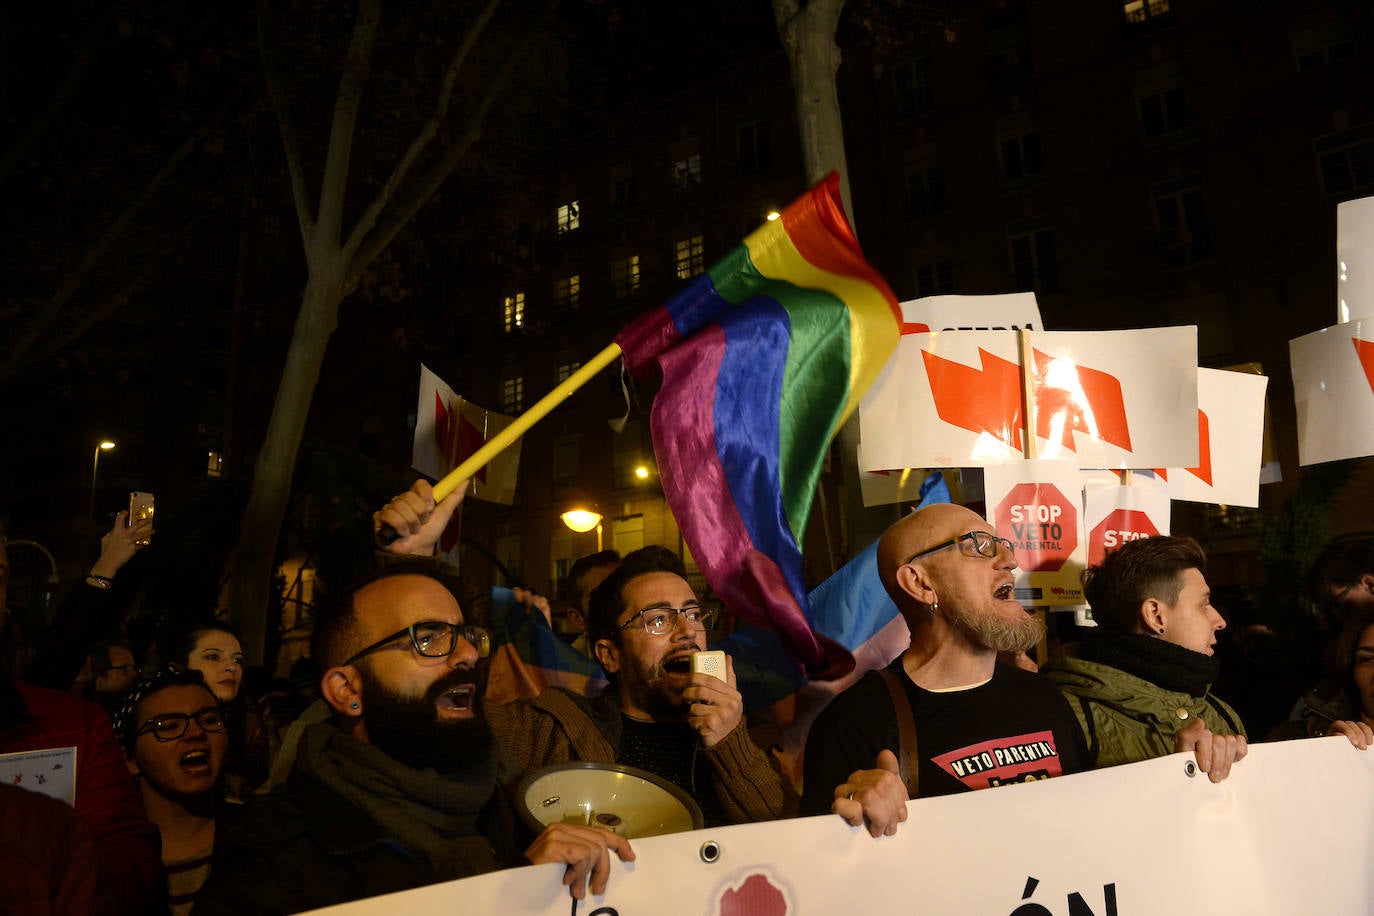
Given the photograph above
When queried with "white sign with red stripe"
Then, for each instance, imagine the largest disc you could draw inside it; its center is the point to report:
(1002, 312)
(1103, 399)
(1333, 390)
(1230, 412)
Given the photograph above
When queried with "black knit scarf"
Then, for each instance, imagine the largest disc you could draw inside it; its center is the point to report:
(432, 815)
(1153, 659)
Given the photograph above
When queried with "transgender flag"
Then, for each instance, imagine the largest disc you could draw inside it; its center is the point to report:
(764, 357)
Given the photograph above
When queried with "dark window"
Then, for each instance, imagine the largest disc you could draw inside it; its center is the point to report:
(1165, 113)
(755, 148)
(1347, 166)
(1033, 261)
(1022, 158)
(1185, 233)
(924, 193)
(625, 193)
(935, 279)
(915, 92)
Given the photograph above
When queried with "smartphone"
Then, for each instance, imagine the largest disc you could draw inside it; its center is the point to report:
(712, 663)
(140, 508)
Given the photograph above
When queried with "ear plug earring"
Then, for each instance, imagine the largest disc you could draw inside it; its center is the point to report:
(354, 704)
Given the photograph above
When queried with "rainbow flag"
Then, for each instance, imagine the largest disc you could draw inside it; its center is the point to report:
(764, 356)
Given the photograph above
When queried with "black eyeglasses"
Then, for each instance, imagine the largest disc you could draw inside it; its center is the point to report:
(660, 620)
(173, 725)
(985, 544)
(435, 639)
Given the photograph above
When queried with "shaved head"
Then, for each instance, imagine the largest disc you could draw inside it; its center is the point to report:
(914, 533)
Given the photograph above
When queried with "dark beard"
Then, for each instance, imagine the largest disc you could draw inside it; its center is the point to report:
(657, 699)
(408, 728)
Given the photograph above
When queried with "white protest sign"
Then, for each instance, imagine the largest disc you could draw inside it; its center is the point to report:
(1333, 390)
(1113, 399)
(1038, 506)
(1355, 259)
(1070, 846)
(448, 429)
(1230, 408)
(1114, 514)
(881, 488)
(50, 771)
(1002, 312)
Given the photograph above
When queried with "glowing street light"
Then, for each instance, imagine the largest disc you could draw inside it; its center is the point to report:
(104, 446)
(582, 521)
(641, 472)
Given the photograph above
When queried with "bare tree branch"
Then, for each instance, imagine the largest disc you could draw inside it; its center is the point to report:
(305, 216)
(105, 309)
(346, 104)
(80, 59)
(404, 209)
(53, 307)
(426, 134)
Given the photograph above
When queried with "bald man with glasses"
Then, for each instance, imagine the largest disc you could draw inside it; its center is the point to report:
(644, 623)
(404, 785)
(945, 717)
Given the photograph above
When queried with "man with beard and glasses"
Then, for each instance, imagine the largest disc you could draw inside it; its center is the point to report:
(403, 787)
(945, 717)
(644, 622)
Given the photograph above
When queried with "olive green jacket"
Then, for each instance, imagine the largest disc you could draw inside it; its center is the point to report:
(1125, 718)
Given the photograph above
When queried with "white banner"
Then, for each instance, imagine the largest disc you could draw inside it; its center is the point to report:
(448, 429)
(1290, 831)
(1002, 312)
(1355, 259)
(1230, 409)
(1333, 390)
(1038, 506)
(1114, 513)
(1104, 399)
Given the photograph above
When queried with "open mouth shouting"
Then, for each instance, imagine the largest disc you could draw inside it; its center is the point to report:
(457, 701)
(196, 762)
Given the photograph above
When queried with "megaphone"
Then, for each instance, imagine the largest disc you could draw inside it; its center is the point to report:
(630, 802)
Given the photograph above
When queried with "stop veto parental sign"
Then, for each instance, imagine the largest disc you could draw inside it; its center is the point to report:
(1041, 522)
(1120, 526)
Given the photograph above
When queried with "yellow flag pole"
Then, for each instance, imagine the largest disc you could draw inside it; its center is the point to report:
(502, 440)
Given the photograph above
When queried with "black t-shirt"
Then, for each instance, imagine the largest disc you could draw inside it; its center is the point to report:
(669, 750)
(1015, 728)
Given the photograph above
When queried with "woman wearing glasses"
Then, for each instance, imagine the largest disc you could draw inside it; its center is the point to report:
(174, 735)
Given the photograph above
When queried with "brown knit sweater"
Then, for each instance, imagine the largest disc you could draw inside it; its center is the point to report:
(559, 726)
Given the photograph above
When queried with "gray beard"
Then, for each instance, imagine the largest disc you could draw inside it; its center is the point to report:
(995, 633)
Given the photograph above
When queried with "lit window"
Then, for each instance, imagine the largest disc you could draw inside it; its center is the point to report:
(567, 294)
(1140, 11)
(625, 276)
(568, 217)
(689, 257)
(214, 464)
(513, 394)
(513, 313)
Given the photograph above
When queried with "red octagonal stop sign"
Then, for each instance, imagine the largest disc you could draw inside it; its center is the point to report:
(1120, 526)
(1041, 522)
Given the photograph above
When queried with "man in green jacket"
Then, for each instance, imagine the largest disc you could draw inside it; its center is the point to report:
(1140, 681)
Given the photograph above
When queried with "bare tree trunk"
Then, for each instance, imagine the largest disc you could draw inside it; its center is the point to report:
(807, 32)
(272, 473)
(336, 261)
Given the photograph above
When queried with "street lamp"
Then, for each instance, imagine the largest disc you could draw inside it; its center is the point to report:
(582, 521)
(104, 446)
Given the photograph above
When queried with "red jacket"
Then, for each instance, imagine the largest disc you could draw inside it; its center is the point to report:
(128, 844)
